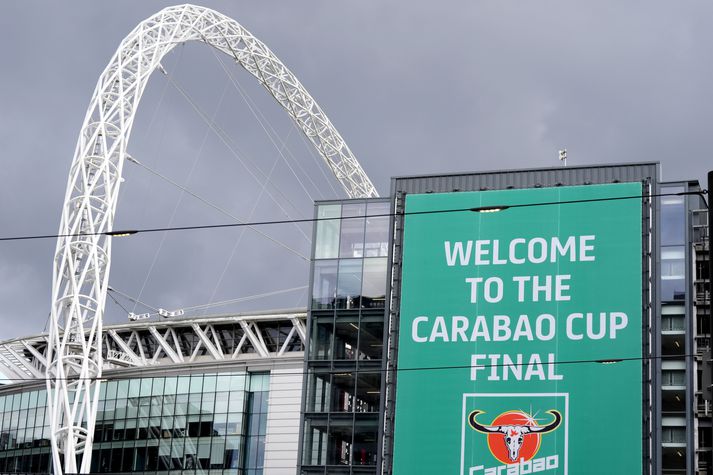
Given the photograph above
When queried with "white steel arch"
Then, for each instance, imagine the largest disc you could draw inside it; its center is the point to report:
(83, 255)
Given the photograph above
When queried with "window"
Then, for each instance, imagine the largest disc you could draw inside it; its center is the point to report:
(676, 435)
(672, 323)
(349, 283)
(376, 240)
(673, 217)
(374, 283)
(327, 238)
(351, 243)
(324, 285)
(673, 269)
(673, 378)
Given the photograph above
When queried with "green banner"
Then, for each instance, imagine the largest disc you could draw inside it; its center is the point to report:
(521, 333)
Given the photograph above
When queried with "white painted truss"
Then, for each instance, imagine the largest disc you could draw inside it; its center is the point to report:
(179, 342)
(82, 259)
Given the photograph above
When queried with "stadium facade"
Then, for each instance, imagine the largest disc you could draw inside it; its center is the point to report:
(219, 394)
(370, 380)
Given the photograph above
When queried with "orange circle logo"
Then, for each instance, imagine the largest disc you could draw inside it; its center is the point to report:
(514, 436)
(514, 444)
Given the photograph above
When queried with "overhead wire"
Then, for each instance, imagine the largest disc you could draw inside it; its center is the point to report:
(341, 218)
(605, 361)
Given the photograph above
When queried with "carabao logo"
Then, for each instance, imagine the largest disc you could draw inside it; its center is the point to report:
(514, 435)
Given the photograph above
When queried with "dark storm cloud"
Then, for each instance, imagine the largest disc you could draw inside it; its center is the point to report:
(414, 87)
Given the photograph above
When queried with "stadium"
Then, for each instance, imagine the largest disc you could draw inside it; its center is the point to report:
(466, 323)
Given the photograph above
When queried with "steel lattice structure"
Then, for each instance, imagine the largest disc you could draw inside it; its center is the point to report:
(214, 339)
(83, 255)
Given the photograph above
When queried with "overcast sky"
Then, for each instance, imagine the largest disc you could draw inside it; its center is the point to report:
(414, 87)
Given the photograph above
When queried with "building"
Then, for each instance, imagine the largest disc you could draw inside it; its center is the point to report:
(342, 388)
(341, 405)
(218, 394)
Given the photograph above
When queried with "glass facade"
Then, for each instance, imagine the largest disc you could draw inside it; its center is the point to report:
(673, 242)
(345, 353)
(681, 406)
(200, 423)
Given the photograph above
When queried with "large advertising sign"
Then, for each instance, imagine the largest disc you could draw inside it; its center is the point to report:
(520, 337)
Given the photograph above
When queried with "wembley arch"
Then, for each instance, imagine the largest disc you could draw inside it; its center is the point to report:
(83, 255)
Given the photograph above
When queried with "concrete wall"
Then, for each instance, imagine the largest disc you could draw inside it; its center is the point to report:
(283, 421)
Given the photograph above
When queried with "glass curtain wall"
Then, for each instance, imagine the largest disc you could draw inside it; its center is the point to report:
(672, 293)
(201, 423)
(346, 338)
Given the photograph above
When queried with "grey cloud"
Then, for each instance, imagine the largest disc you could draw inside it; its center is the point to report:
(414, 87)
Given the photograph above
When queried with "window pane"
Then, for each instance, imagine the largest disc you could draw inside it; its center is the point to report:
(318, 392)
(349, 284)
(346, 331)
(365, 441)
(183, 384)
(110, 390)
(325, 284)
(672, 323)
(327, 239)
(673, 269)
(321, 341)
(196, 384)
(209, 383)
(170, 386)
(351, 243)
(673, 434)
(157, 388)
(371, 336)
(315, 442)
(674, 289)
(122, 389)
(145, 387)
(342, 399)
(237, 383)
(367, 393)
(374, 285)
(673, 216)
(340, 442)
(221, 402)
(672, 262)
(673, 378)
(377, 230)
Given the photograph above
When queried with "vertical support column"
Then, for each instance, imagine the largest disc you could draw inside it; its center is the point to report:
(391, 335)
(709, 367)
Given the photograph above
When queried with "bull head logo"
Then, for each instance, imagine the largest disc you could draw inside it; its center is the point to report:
(514, 434)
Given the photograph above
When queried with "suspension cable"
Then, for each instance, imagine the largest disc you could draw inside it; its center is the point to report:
(225, 138)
